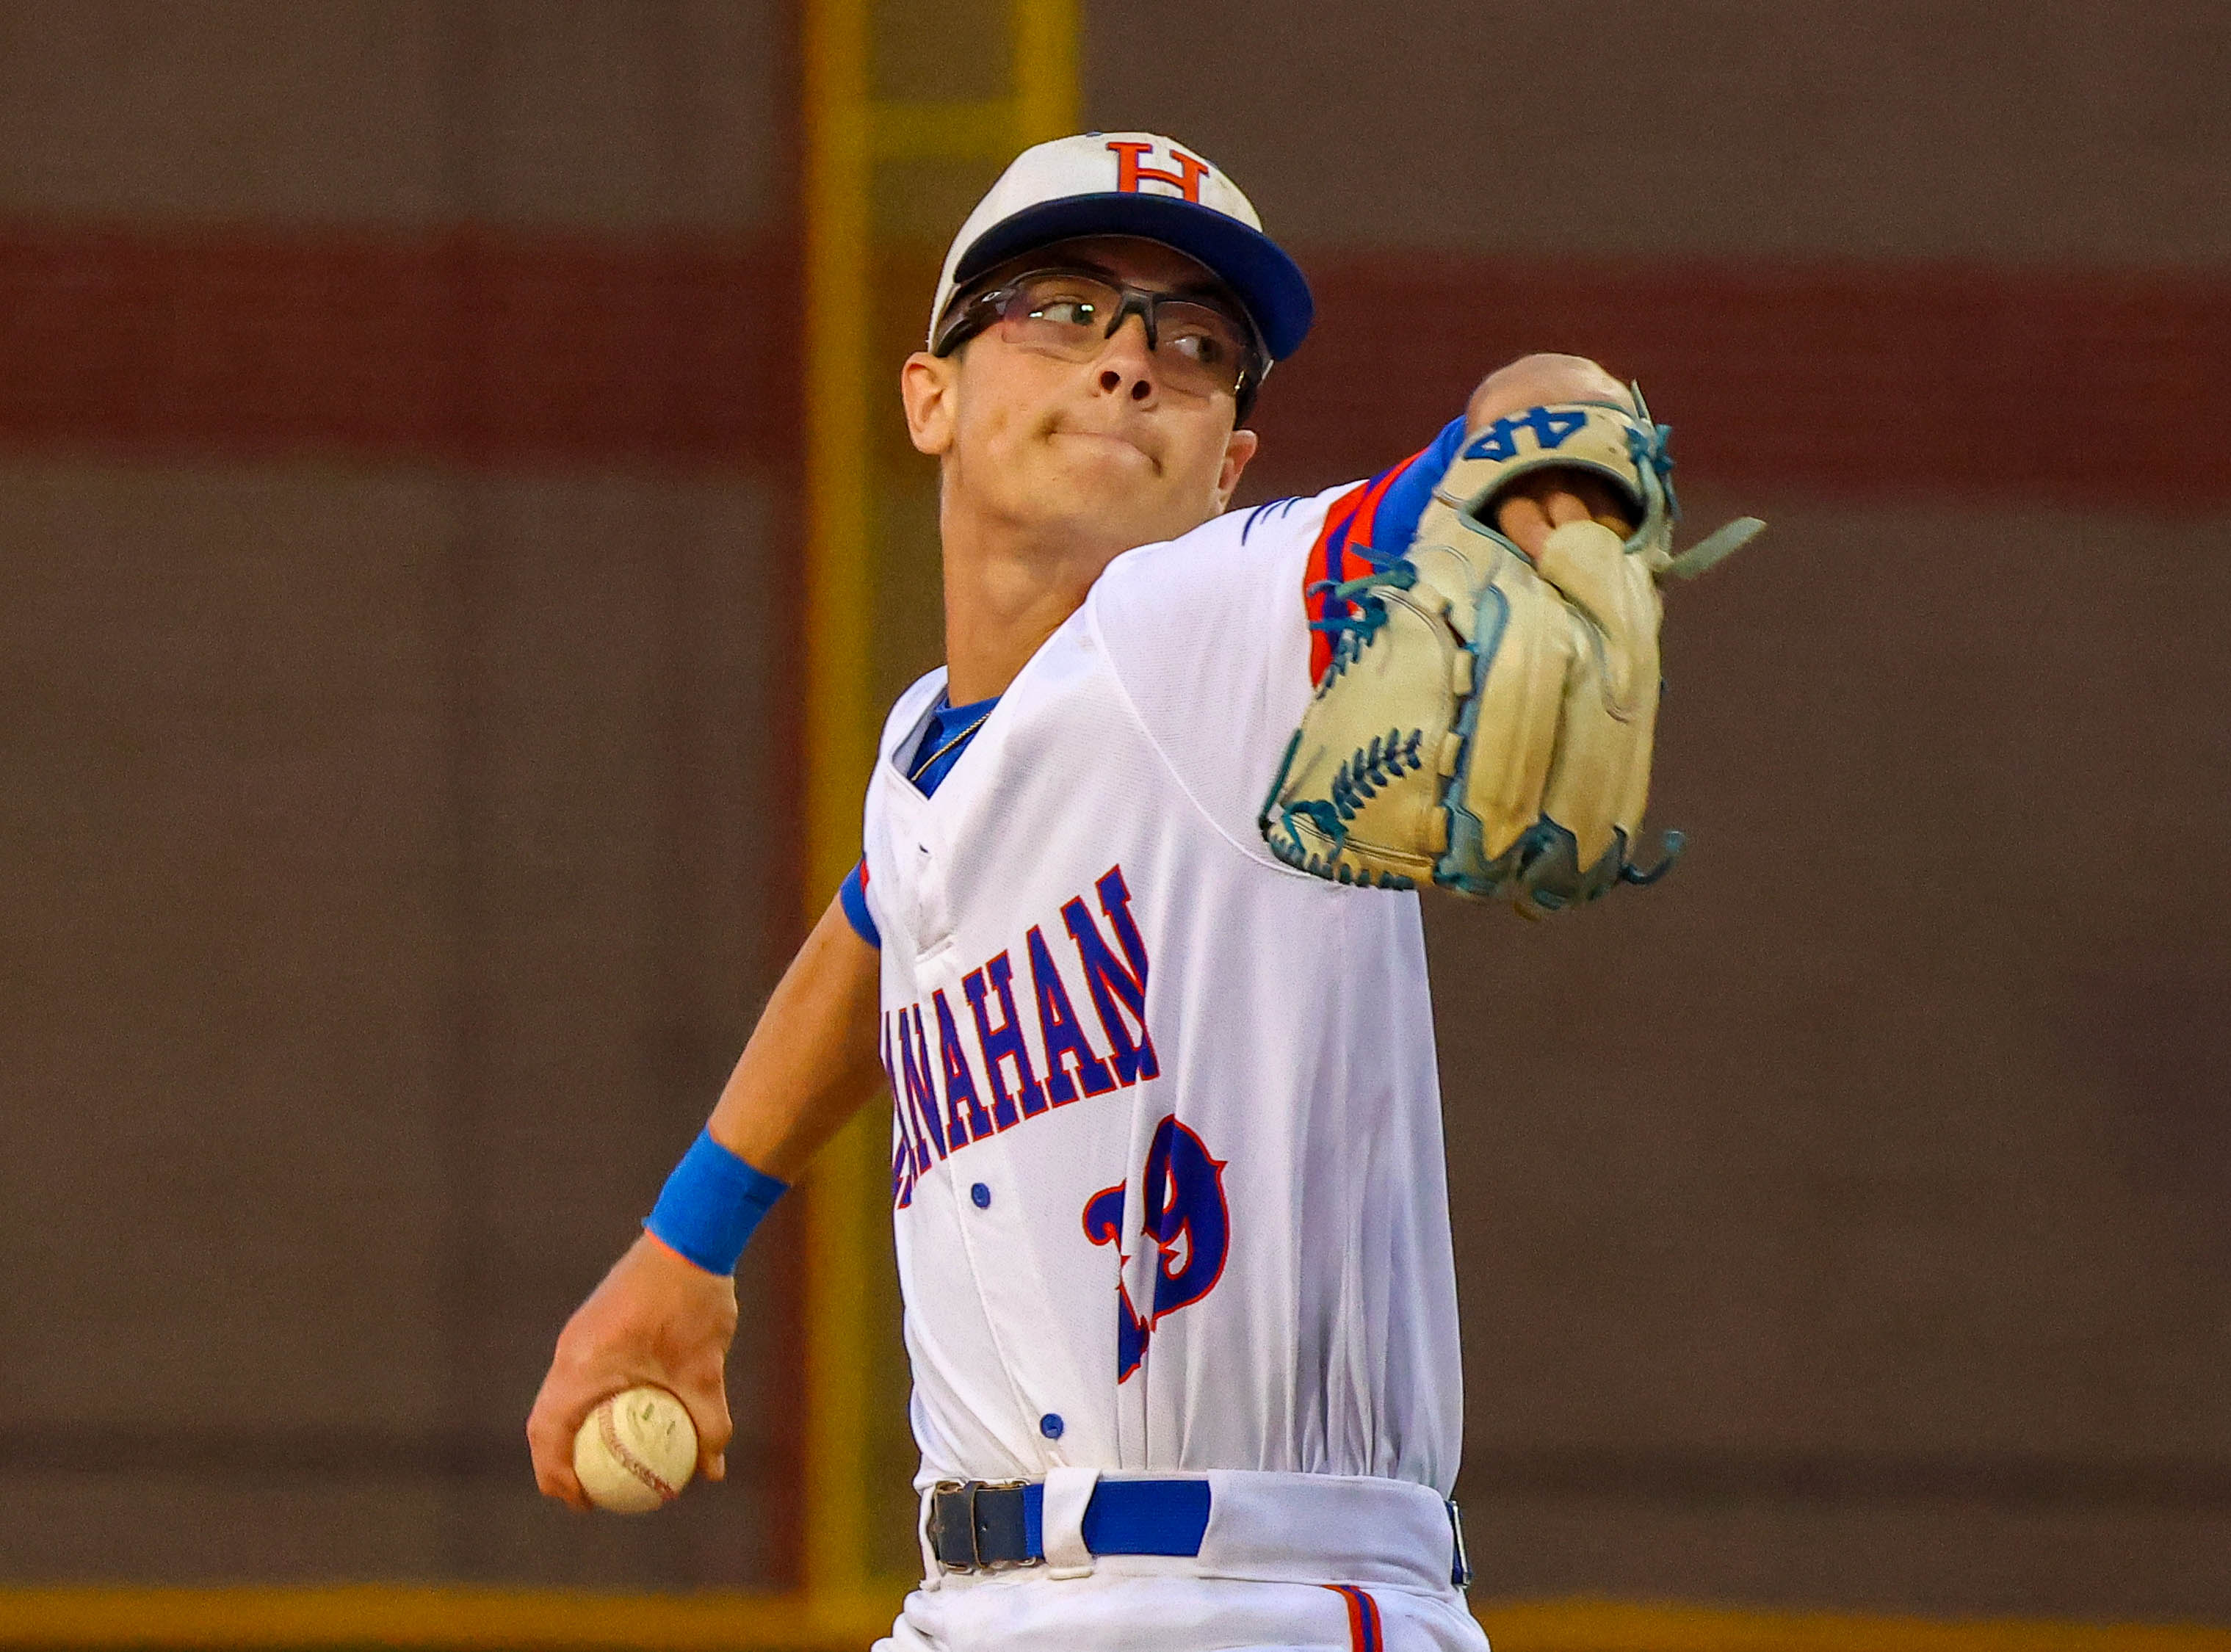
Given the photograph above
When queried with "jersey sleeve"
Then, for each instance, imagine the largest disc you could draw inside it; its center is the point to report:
(1210, 636)
(853, 895)
(1373, 520)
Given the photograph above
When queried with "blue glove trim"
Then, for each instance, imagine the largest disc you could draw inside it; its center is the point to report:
(710, 1205)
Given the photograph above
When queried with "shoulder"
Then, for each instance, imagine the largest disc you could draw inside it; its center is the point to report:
(1237, 552)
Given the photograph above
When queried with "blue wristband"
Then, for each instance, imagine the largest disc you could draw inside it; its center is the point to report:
(711, 1203)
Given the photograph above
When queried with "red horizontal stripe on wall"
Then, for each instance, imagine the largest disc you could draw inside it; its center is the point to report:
(482, 346)
(2082, 388)
(463, 345)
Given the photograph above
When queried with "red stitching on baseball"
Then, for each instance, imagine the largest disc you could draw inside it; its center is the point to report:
(610, 1431)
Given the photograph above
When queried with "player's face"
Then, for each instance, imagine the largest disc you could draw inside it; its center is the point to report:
(1112, 451)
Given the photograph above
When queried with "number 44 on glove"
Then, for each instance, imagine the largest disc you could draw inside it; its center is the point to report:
(1485, 723)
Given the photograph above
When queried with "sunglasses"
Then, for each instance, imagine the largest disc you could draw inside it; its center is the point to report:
(1200, 347)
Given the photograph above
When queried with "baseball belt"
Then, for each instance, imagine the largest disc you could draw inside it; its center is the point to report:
(996, 1526)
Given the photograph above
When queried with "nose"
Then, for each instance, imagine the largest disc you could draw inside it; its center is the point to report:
(1127, 364)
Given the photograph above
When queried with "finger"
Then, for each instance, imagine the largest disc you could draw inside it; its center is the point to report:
(566, 1490)
(707, 1404)
(1573, 495)
(1521, 520)
(1562, 507)
(553, 1471)
(551, 1427)
(552, 1452)
(714, 1433)
(1606, 505)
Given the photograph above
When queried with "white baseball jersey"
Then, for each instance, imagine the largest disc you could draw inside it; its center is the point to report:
(1168, 1165)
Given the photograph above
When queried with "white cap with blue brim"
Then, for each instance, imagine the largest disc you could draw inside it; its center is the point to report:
(1133, 183)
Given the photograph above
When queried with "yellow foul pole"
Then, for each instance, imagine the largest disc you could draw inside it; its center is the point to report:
(837, 730)
(849, 131)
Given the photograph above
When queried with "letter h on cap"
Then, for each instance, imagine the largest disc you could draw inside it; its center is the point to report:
(1129, 174)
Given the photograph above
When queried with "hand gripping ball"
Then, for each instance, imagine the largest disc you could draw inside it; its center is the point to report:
(635, 1451)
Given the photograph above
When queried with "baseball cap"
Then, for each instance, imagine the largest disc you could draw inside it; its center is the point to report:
(1134, 183)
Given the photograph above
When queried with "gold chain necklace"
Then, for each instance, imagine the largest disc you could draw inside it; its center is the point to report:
(922, 767)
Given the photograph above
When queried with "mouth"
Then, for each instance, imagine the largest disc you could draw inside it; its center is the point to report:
(1108, 440)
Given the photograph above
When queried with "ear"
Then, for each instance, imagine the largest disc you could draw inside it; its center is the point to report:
(927, 388)
(1238, 448)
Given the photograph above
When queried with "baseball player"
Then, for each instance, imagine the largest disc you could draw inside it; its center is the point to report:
(1131, 949)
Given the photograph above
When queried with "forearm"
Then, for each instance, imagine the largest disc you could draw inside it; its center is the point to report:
(666, 1312)
(1533, 381)
(812, 1061)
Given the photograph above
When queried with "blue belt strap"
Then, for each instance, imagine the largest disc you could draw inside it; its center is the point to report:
(1129, 1517)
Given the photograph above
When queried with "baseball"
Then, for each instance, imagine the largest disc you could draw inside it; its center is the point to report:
(635, 1451)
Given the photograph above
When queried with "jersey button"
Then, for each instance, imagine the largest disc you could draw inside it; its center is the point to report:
(982, 1196)
(1051, 1425)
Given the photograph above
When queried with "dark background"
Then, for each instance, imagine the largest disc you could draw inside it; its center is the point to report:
(398, 623)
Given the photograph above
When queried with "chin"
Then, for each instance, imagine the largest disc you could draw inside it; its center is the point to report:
(1108, 521)
(1104, 485)
(1106, 495)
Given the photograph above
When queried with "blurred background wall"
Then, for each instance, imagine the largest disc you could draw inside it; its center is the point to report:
(1849, 1219)
(398, 461)
(398, 402)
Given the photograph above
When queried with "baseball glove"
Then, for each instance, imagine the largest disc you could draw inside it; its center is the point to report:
(1485, 723)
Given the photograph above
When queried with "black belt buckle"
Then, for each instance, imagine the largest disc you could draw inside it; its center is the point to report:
(969, 1532)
